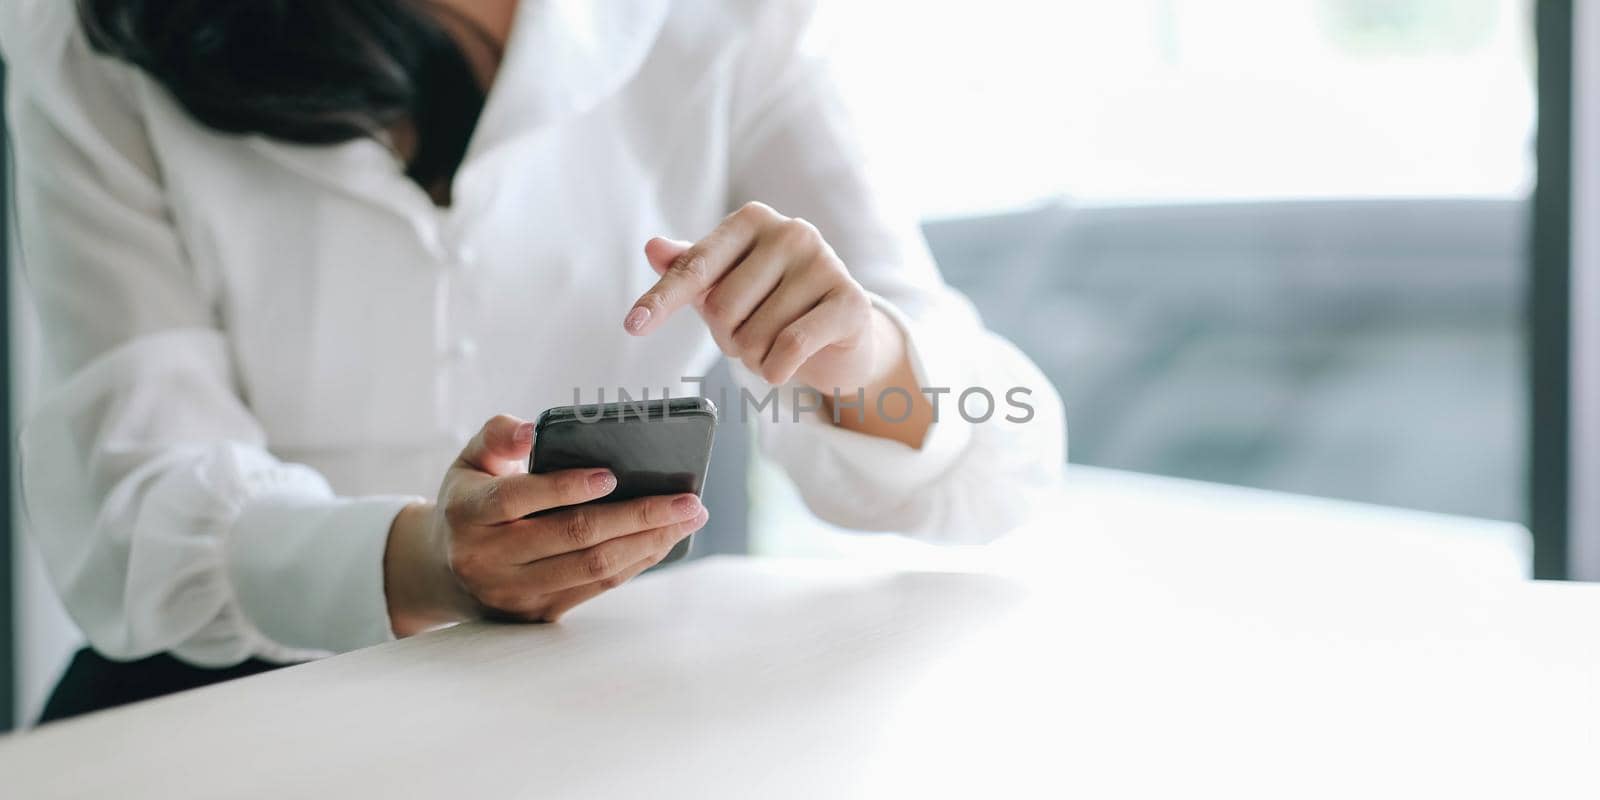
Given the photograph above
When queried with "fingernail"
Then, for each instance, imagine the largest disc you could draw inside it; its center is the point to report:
(523, 434)
(602, 482)
(636, 319)
(686, 505)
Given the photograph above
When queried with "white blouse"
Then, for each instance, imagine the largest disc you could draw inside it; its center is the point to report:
(261, 351)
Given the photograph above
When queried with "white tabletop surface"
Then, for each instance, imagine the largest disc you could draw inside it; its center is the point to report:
(1292, 657)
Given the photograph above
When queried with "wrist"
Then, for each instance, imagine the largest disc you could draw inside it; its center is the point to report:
(870, 364)
(889, 353)
(889, 369)
(878, 363)
(419, 588)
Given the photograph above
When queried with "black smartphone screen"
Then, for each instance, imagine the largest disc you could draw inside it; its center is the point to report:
(654, 448)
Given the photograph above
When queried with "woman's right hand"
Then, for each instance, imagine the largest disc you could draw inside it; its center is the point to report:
(474, 553)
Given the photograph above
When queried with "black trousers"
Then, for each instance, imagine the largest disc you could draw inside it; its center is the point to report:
(93, 682)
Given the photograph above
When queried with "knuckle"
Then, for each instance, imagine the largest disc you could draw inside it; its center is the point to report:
(612, 581)
(826, 263)
(467, 564)
(792, 340)
(648, 511)
(747, 339)
(755, 209)
(855, 299)
(798, 231)
(598, 563)
(502, 598)
(717, 309)
(578, 528)
(527, 606)
(692, 265)
(497, 500)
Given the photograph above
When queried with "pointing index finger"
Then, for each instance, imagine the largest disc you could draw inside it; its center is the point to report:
(694, 271)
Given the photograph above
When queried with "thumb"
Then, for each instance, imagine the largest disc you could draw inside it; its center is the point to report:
(501, 446)
(661, 251)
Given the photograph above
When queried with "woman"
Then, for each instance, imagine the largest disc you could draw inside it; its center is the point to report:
(289, 256)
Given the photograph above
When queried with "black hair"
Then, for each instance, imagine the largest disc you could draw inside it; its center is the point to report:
(304, 71)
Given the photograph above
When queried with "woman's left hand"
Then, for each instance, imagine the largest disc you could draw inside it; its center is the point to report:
(776, 298)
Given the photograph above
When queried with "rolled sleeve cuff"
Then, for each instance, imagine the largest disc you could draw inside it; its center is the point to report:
(308, 572)
(938, 366)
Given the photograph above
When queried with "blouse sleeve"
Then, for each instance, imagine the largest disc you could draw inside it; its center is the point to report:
(971, 480)
(163, 520)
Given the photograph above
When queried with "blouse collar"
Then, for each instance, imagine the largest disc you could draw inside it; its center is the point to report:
(563, 58)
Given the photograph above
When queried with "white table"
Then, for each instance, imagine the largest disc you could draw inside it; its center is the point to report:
(1075, 659)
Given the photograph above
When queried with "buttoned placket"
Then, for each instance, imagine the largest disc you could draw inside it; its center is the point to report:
(547, 76)
(443, 233)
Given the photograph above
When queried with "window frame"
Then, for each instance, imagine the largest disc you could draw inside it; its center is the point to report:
(1549, 296)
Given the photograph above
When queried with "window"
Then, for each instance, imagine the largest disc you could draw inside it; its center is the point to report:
(1024, 102)
(1274, 243)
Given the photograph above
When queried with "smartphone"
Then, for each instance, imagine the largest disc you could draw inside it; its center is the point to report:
(654, 447)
